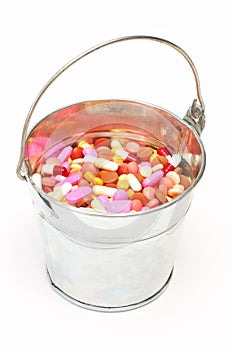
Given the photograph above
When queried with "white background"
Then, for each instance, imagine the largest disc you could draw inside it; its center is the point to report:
(196, 310)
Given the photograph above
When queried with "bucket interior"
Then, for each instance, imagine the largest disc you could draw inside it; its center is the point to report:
(116, 119)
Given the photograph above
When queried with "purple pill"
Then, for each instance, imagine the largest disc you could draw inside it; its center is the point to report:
(119, 206)
(153, 179)
(75, 196)
(65, 154)
(120, 195)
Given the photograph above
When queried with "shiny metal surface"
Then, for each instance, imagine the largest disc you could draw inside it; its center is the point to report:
(105, 261)
(19, 170)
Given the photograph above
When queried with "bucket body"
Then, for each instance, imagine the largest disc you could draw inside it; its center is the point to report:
(104, 261)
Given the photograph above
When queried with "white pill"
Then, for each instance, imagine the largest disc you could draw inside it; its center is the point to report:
(89, 159)
(47, 169)
(145, 171)
(176, 190)
(36, 178)
(116, 144)
(60, 178)
(61, 191)
(134, 183)
(107, 191)
(105, 164)
(157, 167)
(97, 205)
(123, 154)
(78, 161)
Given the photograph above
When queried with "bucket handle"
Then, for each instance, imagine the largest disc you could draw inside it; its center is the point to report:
(194, 116)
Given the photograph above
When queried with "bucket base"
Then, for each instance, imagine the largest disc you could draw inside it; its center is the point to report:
(110, 309)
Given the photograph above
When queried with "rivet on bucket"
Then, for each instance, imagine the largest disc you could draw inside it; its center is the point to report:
(111, 261)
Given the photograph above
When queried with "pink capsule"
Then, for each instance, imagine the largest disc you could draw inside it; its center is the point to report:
(76, 195)
(88, 151)
(65, 153)
(103, 199)
(120, 195)
(119, 206)
(153, 179)
(73, 179)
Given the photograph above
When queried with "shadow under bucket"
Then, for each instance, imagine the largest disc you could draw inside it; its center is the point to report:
(104, 261)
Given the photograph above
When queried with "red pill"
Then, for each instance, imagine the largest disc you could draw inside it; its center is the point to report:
(163, 151)
(77, 153)
(122, 168)
(102, 142)
(168, 167)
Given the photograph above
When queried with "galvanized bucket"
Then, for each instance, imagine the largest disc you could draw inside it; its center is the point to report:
(103, 261)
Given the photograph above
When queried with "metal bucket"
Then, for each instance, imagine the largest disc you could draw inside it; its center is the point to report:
(103, 261)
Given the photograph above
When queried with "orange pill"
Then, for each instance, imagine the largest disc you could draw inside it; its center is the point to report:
(141, 197)
(144, 152)
(109, 176)
(103, 141)
(139, 177)
(163, 160)
(136, 205)
(111, 185)
(122, 168)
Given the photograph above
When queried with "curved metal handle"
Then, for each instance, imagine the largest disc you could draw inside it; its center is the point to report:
(86, 53)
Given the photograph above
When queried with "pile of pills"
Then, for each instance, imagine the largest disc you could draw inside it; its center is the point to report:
(112, 175)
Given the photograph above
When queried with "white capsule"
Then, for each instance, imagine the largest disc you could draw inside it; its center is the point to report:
(97, 205)
(123, 154)
(36, 178)
(175, 160)
(105, 164)
(116, 144)
(107, 191)
(134, 183)
(89, 159)
(60, 192)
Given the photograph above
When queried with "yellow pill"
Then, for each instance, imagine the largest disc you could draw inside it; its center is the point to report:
(89, 176)
(74, 166)
(153, 156)
(84, 144)
(117, 159)
(122, 177)
(130, 193)
(69, 160)
(123, 184)
(98, 181)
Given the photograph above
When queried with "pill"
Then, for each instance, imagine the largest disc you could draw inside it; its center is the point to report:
(157, 167)
(89, 167)
(131, 158)
(120, 194)
(78, 161)
(167, 182)
(102, 141)
(61, 191)
(77, 153)
(163, 189)
(65, 154)
(139, 196)
(153, 179)
(75, 167)
(149, 192)
(167, 168)
(133, 167)
(163, 160)
(66, 168)
(144, 152)
(160, 195)
(103, 199)
(107, 191)
(130, 193)
(36, 178)
(122, 168)
(106, 164)
(174, 177)
(176, 190)
(134, 183)
(89, 176)
(145, 171)
(163, 151)
(185, 181)
(88, 151)
(120, 206)
(109, 176)
(89, 159)
(132, 147)
(97, 181)
(75, 196)
(84, 182)
(97, 205)
(175, 160)
(116, 144)
(48, 181)
(105, 153)
(123, 184)
(123, 154)
(142, 164)
(153, 156)
(153, 203)
(53, 160)
(136, 205)
(117, 159)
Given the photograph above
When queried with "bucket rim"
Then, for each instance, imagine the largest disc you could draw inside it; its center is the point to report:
(90, 212)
